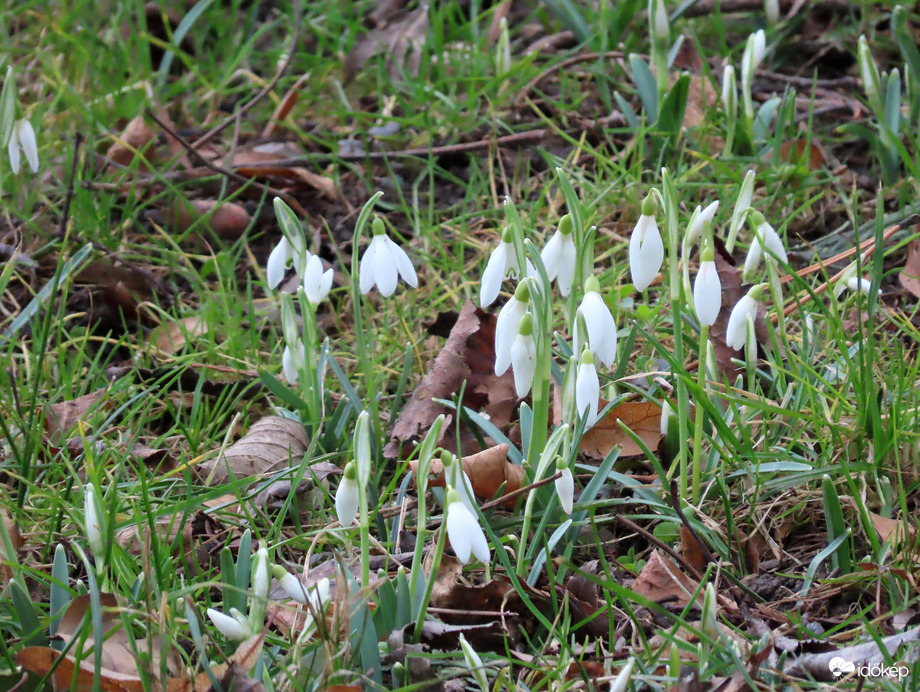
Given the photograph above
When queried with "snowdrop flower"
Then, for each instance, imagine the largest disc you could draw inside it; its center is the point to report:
(22, 135)
(670, 432)
(463, 530)
(729, 90)
(771, 7)
(565, 486)
(868, 74)
(316, 282)
(621, 681)
(753, 55)
(383, 263)
(261, 576)
(701, 216)
(707, 290)
(559, 255)
(292, 361)
(710, 620)
(346, 497)
(502, 264)
(278, 261)
(659, 19)
(316, 606)
(745, 310)
(506, 326)
(646, 250)
(602, 331)
(765, 236)
(524, 356)
(473, 662)
(93, 521)
(861, 285)
(291, 249)
(362, 445)
(295, 589)
(235, 628)
(587, 388)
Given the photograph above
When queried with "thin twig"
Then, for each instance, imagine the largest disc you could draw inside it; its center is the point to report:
(65, 212)
(650, 537)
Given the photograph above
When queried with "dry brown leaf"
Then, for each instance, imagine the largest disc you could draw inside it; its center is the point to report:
(6, 572)
(62, 417)
(488, 470)
(271, 444)
(402, 42)
(803, 152)
(468, 355)
(895, 529)
(661, 580)
(642, 417)
(69, 676)
(170, 337)
(135, 139)
(691, 549)
(250, 161)
(910, 274)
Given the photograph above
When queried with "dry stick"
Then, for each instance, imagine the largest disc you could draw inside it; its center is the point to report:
(294, 204)
(661, 544)
(868, 246)
(265, 90)
(520, 491)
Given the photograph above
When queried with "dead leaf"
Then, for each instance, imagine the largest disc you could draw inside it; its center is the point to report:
(468, 355)
(134, 140)
(237, 679)
(488, 471)
(62, 417)
(6, 572)
(272, 443)
(661, 580)
(170, 337)
(895, 529)
(642, 417)
(910, 274)
(803, 152)
(251, 161)
(397, 39)
(691, 550)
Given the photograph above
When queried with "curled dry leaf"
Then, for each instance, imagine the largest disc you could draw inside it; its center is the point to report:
(661, 580)
(895, 529)
(488, 470)
(134, 140)
(642, 417)
(170, 337)
(251, 161)
(400, 40)
(272, 443)
(468, 355)
(62, 417)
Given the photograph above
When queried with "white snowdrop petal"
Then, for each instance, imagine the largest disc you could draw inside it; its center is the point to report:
(366, 278)
(552, 255)
(277, 264)
(403, 264)
(707, 293)
(567, 266)
(28, 143)
(565, 489)
(493, 275)
(752, 260)
(646, 252)
(587, 392)
(736, 331)
(289, 365)
(602, 333)
(506, 329)
(13, 148)
(385, 272)
(774, 243)
(227, 625)
(523, 362)
(459, 531)
(346, 501)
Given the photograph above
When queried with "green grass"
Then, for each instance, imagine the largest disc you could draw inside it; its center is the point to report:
(809, 453)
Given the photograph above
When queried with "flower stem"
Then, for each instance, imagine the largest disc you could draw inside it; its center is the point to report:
(435, 566)
(698, 430)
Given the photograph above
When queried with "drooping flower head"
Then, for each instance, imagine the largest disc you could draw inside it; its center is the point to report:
(707, 289)
(463, 530)
(383, 263)
(745, 310)
(316, 282)
(765, 236)
(502, 264)
(506, 326)
(587, 388)
(560, 254)
(346, 497)
(524, 356)
(700, 218)
(646, 249)
(599, 324)
(754, 51)
(23, 136)
(235, 628)
(565, 486)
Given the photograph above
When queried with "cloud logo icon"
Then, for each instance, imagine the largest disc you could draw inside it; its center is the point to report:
(840, 666)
